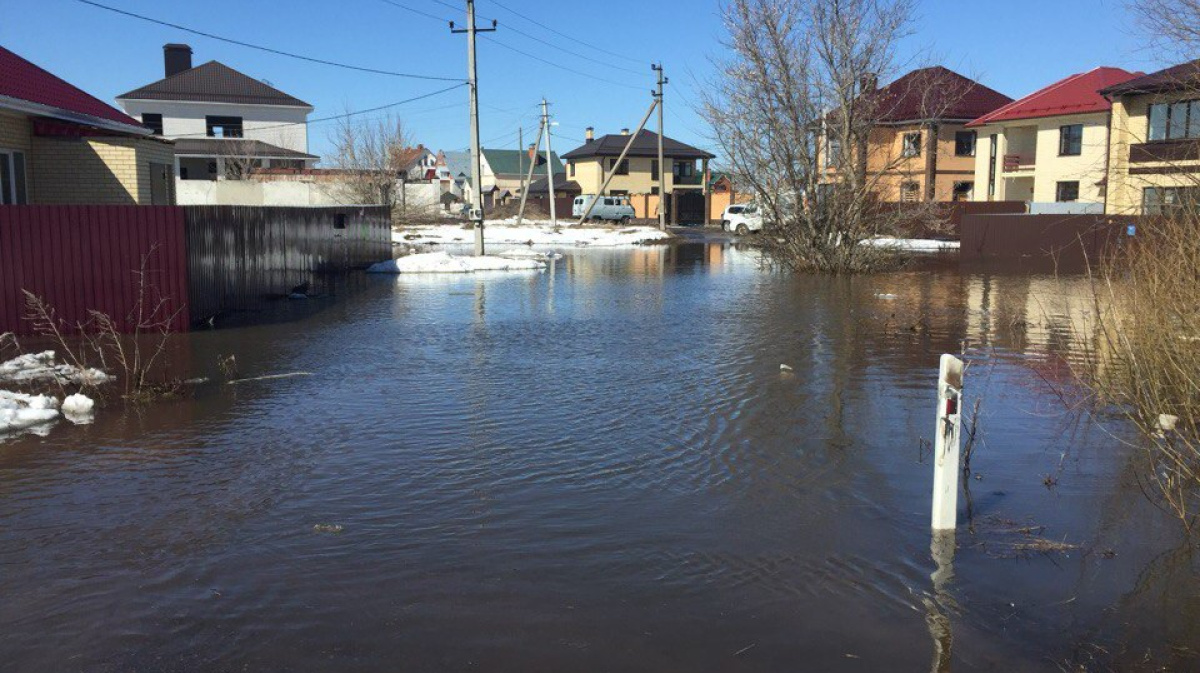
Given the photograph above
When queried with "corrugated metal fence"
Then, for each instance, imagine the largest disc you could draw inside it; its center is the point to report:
(84, 258)
(240, 257)
(200, 261)
(1066, 239)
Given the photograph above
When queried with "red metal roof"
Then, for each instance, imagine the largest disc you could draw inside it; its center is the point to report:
(935, 93)
(1077, 94)
(24, 81)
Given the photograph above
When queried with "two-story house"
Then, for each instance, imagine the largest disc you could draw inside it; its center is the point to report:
(638, 174)
(919, 148)
(1154, 141)
(504, 171)
(61, 145)
(1050, 148)
(224, 123)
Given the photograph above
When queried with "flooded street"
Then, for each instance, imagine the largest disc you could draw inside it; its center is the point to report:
(601, 468)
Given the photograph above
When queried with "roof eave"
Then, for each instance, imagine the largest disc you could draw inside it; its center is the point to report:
(42, 110)
(198, 101)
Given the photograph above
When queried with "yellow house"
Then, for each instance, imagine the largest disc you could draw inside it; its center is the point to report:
(1050, 148)
(638, 175)
(919, 148)
(59, 145)
(1154, 144)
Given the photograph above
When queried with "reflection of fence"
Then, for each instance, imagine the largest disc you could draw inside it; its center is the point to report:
(1067, 239)
(200, 261)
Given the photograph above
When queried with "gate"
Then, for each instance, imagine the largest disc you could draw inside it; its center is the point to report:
(690, 206)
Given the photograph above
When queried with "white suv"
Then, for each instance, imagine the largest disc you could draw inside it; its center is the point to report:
(742, 219)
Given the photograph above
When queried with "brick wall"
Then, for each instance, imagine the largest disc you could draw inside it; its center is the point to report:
(98, 170)
(16, 132)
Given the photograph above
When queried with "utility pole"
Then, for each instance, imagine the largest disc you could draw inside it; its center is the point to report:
(529, 177)
(549, 162)
(662, 169)
(473, 85)
(520, 149)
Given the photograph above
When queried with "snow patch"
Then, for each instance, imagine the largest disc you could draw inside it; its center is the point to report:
(79, 409)
(40, 367)
(20, 412)
(440, 262)
(535, 233)
(911, 244)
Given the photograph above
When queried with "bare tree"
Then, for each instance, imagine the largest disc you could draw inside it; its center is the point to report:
(371, 154)
(1172, 25)
(237, 156)
(800, 121)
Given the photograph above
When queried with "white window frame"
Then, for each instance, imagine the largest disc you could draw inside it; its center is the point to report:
(7, 155)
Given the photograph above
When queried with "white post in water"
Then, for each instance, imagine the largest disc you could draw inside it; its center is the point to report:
(946, 444)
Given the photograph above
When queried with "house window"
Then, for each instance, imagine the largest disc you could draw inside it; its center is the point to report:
(153, 121)
(12, 178)
(1164, 200)
(622, 169)
(685, 169)
(223, 127)
(1067, 191)
(1175, 121)
(910, 192)
(962, 191)
(834, 153)
(912, 145)
(1070, 140)
(654, 191)
(964, 144)
(570, 169)
(654, 169)
(992, 159)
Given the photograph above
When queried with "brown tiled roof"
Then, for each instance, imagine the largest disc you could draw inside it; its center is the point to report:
(214, 82)
(935, 94)
(235, 147)
(1182, 77)
(645, 145)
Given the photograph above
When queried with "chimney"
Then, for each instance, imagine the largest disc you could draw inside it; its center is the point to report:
(868, 83)
(624, 132)
(176, 58)
(589, 134)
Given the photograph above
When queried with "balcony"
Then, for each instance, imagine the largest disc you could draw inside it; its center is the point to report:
(1019, 163)
(686, 180)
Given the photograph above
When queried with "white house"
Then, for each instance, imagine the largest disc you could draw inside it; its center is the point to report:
(223, 122)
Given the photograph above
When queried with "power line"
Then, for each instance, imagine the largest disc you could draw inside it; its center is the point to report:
(559, 33)
(344, 115)
(415, 10)
(269, 50)
(563, 67)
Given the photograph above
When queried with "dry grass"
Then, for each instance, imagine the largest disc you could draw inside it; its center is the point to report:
(1146, 357)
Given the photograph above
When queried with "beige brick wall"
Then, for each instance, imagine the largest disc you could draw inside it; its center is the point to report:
(16, 133)
(99, 170)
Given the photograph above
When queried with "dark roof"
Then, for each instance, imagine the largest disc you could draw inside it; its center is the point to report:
(561, 184)
(516, 162)
(54, 97)
(214, 82)
(1077, 94)
(1182, 77)
(645, 145)
(935, 94)
(235, 147)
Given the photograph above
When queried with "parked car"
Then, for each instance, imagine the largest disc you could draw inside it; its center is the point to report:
(747, 220)
(609, 208)
(731, 210)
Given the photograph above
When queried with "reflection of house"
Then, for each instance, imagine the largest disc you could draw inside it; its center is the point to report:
(230, 123)
(1154, 145)
(60, 145)
(919, 148)
(1049, 148)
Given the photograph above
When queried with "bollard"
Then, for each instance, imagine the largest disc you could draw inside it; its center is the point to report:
(946, 444)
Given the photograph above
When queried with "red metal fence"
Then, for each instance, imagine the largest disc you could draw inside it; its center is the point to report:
(1068, 240)
(84, 258)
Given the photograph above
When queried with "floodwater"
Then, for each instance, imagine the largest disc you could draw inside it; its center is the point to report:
(602, 468)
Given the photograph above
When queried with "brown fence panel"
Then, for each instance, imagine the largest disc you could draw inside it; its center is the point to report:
(949, 215)
(87, 258)
(1067, 239)
(240, 257)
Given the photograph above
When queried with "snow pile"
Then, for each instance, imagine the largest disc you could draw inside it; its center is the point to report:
(911, 244)
(37, 367)
(534, 232)
(79, 409)
(20, 412)
(440, 262)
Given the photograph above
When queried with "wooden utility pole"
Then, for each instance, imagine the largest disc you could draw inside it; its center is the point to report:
(549, 162)
(613, 171)
(529, 177)
(662, 169)
(473, 85)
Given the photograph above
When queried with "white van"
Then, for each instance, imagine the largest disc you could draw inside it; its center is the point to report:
(609, 208)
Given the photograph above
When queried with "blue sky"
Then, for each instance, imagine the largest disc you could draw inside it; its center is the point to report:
(1014, 47)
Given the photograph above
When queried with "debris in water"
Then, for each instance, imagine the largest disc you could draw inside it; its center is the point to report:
(785, 368)
(79, 409)
(327, 528)
(745, 649)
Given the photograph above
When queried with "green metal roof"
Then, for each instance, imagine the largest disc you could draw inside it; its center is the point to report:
(516, 162)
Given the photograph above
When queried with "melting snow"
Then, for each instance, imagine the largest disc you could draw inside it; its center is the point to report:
(534, 232)
(39, 367)
(911, 244)
(440, 262)
(21, 412)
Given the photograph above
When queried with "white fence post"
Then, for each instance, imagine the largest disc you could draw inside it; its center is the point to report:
(946, 444)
